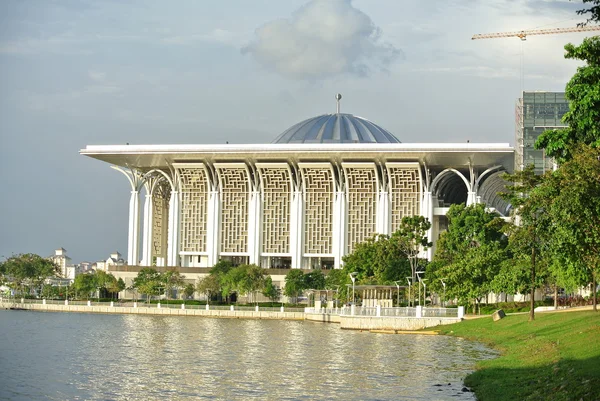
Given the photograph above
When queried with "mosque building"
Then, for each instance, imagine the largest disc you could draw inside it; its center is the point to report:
(303, 201)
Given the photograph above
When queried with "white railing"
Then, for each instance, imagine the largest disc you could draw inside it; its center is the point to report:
(417, 312)
(324, 311)
(399, 312)
(440, 312)
(161, 305)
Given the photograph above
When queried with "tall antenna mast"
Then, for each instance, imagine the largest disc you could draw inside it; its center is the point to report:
(338, 97)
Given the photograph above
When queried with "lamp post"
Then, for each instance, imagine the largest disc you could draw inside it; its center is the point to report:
(424, 291)
(409, 285)
(353, 278)
(336, 294)
(419, 278)
(443, 285)
(398, 289)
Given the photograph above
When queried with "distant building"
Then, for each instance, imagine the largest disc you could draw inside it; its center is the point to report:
(115, 259)
(67, 270)
(535, 113)
(85, 267)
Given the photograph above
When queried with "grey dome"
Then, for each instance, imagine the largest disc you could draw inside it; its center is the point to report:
(336, 128)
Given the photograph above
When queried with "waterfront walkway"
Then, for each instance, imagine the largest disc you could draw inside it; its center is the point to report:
(354, 318)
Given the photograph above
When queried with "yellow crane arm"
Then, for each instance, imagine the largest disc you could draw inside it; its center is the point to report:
(523, 34)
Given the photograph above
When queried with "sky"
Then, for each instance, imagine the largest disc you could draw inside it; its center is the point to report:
(82, 72)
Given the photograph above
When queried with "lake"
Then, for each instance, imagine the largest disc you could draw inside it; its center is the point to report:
(78, 356)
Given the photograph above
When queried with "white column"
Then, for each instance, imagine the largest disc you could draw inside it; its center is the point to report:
(134, 229)
(300, 228)
(254, 212)
(383, 214)
(147, 235)
(173, 246)
(335, 230)
(296, 229)
(471, 198)
(427, 206)
(339, 228)
(419, 311)
(212, 228)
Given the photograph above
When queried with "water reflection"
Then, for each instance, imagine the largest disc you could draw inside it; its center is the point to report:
(127, 357)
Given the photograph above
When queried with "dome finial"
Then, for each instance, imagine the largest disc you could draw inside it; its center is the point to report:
(338, 97)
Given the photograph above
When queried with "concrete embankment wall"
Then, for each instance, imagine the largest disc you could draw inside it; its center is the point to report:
(158, 311)
(393, 323)
(346, 322)
(322, 317)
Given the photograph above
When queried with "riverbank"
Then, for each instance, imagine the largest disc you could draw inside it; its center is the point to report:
(161, 310)
(361, 318)
(555, 357)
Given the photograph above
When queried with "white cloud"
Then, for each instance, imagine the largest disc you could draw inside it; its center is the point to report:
(322, 39)
(96, 75)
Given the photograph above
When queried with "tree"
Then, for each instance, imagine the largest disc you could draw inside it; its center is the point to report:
(104, 281)
(148, 282)
(232, 281)
(363, 258)
(188, 290)
(294, 284)
(2, 273)
(583, 93)
(594, 11)
(28, 269)
(243, 279)
(254, 280)
(209, 285)
(516, 272)
(120, 285)
(469, 254)
(172, 280)
(411, 238)
(575, 214)
(336, 280)
(221, 267)
(213, 284)
(381, 259)
(529, 233)
(115, 286)
(269, 290)
(84, 284)
(315, 280)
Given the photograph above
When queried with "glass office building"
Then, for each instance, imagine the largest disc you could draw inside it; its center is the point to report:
(535, 113)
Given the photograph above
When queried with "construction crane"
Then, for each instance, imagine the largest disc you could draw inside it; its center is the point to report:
(523, 34)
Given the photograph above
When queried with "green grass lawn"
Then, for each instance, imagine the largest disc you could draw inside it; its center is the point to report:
(556, 357)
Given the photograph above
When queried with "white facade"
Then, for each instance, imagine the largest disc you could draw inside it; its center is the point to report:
(112, 261)
(64, 263)
(291, 205)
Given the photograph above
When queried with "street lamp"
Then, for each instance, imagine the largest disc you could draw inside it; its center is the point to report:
(398, 288)
(419, 278)
(443, 285)
(336, 294)
(353, 278)
(424, 291)
(409, 285)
